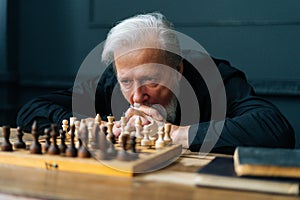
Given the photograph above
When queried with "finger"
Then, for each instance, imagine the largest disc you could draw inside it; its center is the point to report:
(152, 112)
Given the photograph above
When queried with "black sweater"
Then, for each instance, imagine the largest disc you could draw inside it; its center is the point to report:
(249, 120)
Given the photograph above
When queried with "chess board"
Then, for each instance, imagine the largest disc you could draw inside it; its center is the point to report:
(150, 159)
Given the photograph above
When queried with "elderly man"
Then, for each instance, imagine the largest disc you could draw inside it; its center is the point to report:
(161, 82)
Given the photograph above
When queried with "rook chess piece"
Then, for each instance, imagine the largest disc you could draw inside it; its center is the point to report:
(20, 144)
(6, 145)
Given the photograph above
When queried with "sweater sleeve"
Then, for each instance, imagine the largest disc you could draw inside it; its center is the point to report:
(250, 121)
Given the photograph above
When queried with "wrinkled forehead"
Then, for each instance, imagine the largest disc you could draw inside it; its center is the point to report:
(143, 56)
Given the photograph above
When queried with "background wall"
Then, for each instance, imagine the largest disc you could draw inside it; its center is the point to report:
(47, 41)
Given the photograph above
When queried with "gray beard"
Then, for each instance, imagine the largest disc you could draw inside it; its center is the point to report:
(171, 108)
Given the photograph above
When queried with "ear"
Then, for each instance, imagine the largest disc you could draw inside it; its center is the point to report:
(180, 70)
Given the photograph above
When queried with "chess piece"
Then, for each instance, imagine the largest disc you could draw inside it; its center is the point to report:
(110, 125)
(65, 125)
(102, 153)
(133, 153)
(138, 130)
(71, 151)
(53, 149)
(145, 142)
(95, 137)
(160, 143)
(62, 146)
(77, 126)
(20, 144)
(47, 138)
(98, 120)
(167, 137)
(35, 147)
(123, 124)
(123, 154)
(83, 141)
(6, 145)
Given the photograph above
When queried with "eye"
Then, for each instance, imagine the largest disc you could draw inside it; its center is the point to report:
(150, 81)
(125, 83)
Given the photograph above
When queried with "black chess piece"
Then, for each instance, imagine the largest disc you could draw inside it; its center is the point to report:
(53, 149)
(62, 145)
(123, 155)
(35, 147)
(6, 145)
(83, 142)
(95, 137)
(47, 136)
(133, 153)
(20, 144)
(71, 151)
(102, 153)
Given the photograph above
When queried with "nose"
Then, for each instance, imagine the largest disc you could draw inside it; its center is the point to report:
(140, 95)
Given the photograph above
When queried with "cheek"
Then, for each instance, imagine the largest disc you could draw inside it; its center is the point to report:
(161, 96)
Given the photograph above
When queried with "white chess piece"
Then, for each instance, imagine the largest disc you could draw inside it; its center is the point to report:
(138, 129)
(145, 142)
(160, 143)
(167, 137)
(98, 120)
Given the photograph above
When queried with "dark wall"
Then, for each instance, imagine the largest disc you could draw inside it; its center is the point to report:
(259, 37)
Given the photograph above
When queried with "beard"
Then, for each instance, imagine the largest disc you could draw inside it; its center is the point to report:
(171, 108)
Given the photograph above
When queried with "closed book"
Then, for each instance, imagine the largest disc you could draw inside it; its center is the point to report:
(220, 173)
(258, 161)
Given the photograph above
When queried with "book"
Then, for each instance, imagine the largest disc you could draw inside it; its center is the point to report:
(220, 173)
(258, 161)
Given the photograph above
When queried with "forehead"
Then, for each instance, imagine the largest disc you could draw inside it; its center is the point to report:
(139, 57)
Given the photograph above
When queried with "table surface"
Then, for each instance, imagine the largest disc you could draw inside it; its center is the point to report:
(173, 182)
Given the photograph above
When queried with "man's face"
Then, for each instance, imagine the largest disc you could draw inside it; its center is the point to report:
(145, 77)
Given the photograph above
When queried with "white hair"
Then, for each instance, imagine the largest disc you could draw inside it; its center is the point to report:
(150, 30)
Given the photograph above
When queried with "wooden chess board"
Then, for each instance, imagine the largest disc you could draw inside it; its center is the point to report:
(149, 160)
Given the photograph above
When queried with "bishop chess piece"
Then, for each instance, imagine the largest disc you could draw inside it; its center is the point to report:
(53, 149)
(20, 144)
(62, 146)
(6, 145)
(35, 147)
(47, 143)
(71, 151)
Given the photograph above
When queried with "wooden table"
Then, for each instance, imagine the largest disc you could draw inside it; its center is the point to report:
(174, 182)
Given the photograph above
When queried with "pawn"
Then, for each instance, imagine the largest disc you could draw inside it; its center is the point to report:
(62, 146)
(83, 142)
(53, 149)
(133, 153)
(20, 144)
(47, 138)
(71, 151)
(6, 145)
(160, 143)
(123, 154)
(35, 147)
